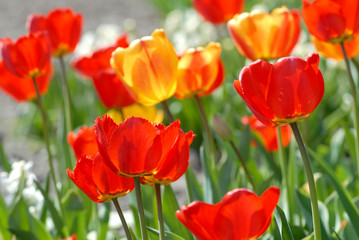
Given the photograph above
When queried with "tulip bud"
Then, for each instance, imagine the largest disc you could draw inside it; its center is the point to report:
(222, 128)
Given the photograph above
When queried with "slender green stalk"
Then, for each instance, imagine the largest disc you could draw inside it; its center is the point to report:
(159, 211)
(207, 129)
(284, 168)
(45, 126)
(310, 178)
(67, 99)
(123, 220)
(248, 174)
(189, 186)
(355, 106)
(141, 212)
(168, 112)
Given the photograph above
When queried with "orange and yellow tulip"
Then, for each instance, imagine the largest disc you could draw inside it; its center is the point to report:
(148, 67)
(260, 35)
(200, 71)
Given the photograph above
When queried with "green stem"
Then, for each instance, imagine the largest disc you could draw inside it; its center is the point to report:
(207, 129)
(284, 167)
(189, 186)
(355, 106)
(67, 99)
(159, 211)
(310, 178)
(140, 208)
(123, 220)
(47, 142)
(248, 174)
(167, 110)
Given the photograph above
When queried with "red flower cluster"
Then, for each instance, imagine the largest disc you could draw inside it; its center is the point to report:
(240, 215)
(108, 154)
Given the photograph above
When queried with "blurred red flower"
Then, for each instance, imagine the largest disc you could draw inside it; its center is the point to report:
(23, 89)
(99, 60)
(240, 215)
(284, 92)
(268, 134)
(29, 56)
(218, 11)
(109, 87)
(175, 155)
(90, 174)
(331, 20)
(63, 26)
(200, 71)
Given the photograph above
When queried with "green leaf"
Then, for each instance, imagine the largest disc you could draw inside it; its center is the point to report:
(343, 194)
(154, 235)
(197, 190)
(24, 225)
(55, 215)
(75, 214)
(4, 215)
(286, 231)
(305, 206)
(4, 161)
(170, 206)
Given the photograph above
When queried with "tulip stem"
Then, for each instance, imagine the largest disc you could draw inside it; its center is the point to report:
(355, 105)
(207, 129)
(47, 142)
(168, 112)
(159, 211)
(123, 220)
(141, 212)
(249, 176)
(67, 99)
(284, 168)
(310, 178)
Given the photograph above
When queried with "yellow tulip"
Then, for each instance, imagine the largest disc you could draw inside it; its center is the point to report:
(148, 67)
(151, 113)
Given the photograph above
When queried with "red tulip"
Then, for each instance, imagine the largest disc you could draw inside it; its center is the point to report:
(241, 215)
(218, 11)
(331, 20)
(111, 90)
(99, 60)
(109, 87)
(63, 26)
(84, 142)
(175, 155)
(91, 175)
(97, 181)
(131, 148)
(22, 89)
(284, 92)
(29, 56)
(268, 134)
